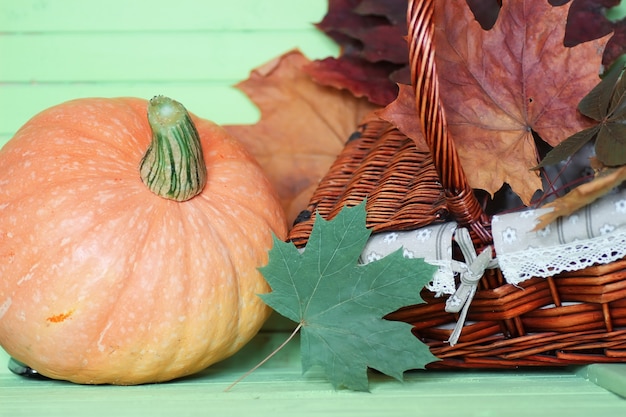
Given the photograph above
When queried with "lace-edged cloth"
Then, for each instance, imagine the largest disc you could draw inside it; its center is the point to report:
(595, 234)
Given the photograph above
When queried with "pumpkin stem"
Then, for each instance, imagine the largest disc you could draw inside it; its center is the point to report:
(173, 166)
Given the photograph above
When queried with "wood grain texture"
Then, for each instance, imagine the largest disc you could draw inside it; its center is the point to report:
(195, 51)
(158, 15)
(279, 389)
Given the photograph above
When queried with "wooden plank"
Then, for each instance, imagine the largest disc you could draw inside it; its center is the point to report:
(48, 56)
(146, 57)
(198, 67)
(279, 389)
(610, 376)
(157, 15)
(219, 102)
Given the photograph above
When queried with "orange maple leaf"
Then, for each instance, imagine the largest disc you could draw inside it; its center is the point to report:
(401, 113)
(498, 86)
(303, 127)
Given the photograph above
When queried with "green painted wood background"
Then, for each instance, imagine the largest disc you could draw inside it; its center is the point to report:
(191, 50)
(195, 51)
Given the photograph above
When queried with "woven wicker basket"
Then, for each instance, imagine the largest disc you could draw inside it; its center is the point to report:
(566, 319)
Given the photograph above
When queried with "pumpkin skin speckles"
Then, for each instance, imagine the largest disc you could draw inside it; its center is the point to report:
(145, 289)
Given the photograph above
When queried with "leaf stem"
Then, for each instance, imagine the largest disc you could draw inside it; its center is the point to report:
(267, 358)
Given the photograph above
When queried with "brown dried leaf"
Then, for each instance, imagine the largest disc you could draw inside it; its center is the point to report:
(303, 127)
(498, 86)
(581, 196)
(401, 113)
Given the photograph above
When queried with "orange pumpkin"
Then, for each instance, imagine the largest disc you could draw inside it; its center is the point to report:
(112, 276)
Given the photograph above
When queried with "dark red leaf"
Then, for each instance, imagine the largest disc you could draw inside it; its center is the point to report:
(384, 43)
(342, 24)
(617, 44)
(485, 11)
(393, 10)
(586, 21)
(373, 48)
(361, 78)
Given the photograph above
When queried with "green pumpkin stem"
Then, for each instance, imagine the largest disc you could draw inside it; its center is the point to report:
(173, 166)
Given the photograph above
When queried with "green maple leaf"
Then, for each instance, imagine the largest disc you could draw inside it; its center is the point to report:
(340, 304)
(606, 104)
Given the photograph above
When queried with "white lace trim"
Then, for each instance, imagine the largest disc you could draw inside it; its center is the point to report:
(443, 281)
(548, 261)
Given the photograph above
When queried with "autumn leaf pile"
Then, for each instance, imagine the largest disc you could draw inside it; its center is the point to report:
(508, 83)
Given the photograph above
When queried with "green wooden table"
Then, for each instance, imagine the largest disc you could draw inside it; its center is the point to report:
(278, 389)
(195, 51)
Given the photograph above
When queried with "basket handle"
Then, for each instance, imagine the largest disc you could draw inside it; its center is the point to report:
(461, 201)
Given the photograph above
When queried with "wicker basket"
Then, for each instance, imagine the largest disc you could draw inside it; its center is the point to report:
(570, 318)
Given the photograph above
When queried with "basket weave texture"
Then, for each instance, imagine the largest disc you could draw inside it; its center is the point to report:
(570, 318)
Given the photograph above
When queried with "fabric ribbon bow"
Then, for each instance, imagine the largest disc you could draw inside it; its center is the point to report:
(471, 271)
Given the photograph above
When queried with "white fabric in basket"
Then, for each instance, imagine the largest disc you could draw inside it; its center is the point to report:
(595, 234)
(432, 243)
